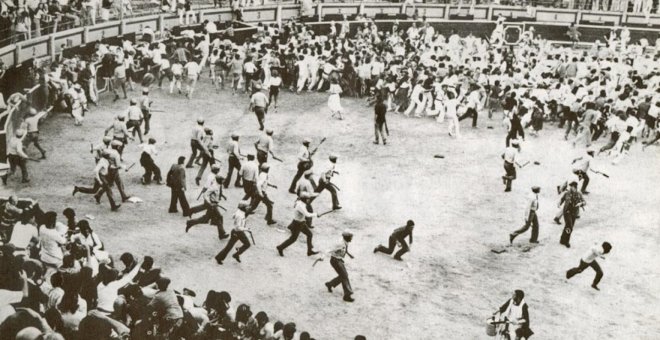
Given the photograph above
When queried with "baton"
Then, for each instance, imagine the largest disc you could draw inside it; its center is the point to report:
(221, 207)
(277, 159)
(316, 261)
(200, 194)
(334, 186)
(524, 165)
(252, 237)
(130, 166)
(600, 173)
(327, 212)
(91, 147)
(272, 185)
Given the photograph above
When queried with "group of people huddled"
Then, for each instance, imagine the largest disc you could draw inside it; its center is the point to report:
(59, 281)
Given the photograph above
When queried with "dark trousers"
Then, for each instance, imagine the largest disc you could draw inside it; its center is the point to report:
(195, 147)
(509, 137)
(104, 186)
(196, 209)
(569, 220)
(249, 188)
(267, 202)
(151, 170)
(378, 132)
(470, 113)
(135, 125)
(392, 245)
(510, 170)
(585, 180)
(147, 117)
(33, 137)
(302, 167)
(323, 185)
(178, 196)
(583, 265)
(213, 216)
(260, 112)
(296, 228)
(114, 178)
(262, 156)
(532, 221)
(18, 161)
(234, 163)
(614, 137)
(206, 160)
(342, 276)
(235, 236)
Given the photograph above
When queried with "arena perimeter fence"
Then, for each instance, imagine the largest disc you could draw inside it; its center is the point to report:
(478, 20)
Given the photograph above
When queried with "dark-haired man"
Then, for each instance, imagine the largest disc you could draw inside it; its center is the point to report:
(176, 180)
(516, 312)
(398, 236)
(532, 219)
(589, 260)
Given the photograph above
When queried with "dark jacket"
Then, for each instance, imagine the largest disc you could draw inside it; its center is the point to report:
(176, 177)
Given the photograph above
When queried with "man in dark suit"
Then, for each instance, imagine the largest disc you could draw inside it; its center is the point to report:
(176, 180)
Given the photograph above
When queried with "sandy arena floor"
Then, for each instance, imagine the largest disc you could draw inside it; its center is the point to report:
(448, 284)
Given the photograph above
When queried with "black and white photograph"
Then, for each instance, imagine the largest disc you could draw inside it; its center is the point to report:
(329, 169)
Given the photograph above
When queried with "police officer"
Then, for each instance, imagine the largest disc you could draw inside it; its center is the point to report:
(196, 141)
(135, 117)
(249, 172)
(262, 195)
(151, 170)
(234, 161)
(32, 123)
(337, 262)
(206, 154)
(398, 236)
(119, 131)
(299, 225)
(113, 170)
(237, 234)
(531, 220)
(305, 189)
(324, 181)
(212, 199)
(17, 156)
(209, 182)
(101, 181)
(303, 164)
(259, 104)
(145, 106)
(264, 146)
(97, 150)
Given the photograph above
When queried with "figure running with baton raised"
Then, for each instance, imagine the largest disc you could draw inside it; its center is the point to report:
(337, 255)
(237, 234)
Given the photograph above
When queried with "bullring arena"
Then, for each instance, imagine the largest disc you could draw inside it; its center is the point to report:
(461, 266)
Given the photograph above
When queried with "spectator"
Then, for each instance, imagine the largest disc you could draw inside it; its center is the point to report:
(51, 241)
(166, 307)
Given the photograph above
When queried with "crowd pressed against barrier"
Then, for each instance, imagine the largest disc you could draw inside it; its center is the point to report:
(70, 286)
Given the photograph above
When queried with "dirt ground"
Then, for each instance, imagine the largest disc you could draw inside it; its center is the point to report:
(450, 282)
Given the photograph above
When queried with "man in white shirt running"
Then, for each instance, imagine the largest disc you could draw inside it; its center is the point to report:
(589, 260)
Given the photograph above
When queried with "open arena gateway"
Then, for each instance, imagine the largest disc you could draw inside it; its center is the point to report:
(75, 269)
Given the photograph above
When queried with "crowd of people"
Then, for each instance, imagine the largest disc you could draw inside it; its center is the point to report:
(607, 91)
(59, 281)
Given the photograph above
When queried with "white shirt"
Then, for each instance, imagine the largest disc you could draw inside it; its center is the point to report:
(192, 68)
(51, 240)
(107, 294)
(593, 253)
